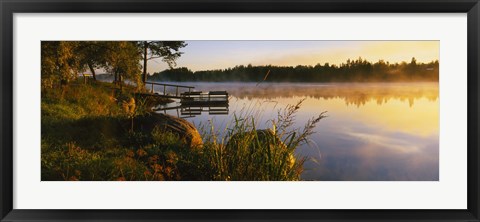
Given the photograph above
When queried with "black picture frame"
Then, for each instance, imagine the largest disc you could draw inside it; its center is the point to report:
(9, 7)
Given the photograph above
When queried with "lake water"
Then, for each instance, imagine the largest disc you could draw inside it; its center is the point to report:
(374, 131)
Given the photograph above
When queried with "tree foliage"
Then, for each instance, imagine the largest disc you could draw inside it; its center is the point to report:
(169, 51)
(122, 60)
(358, 70)
(92, 55)
(59, 64)
(63, 61)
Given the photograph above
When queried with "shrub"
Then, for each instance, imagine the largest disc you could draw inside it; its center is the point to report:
(252, 154)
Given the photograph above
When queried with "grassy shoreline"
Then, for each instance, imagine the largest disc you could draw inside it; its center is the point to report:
(91, 132)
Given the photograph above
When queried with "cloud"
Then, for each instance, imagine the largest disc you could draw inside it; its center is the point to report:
(395, 144)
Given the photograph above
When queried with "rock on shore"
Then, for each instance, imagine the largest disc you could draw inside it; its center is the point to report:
(182, 128)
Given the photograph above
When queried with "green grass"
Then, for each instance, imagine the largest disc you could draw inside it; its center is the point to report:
(248, 154)
(87, 134)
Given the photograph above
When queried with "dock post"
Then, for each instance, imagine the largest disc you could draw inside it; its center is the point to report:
(176, 94)
(152, 87)
(164, 90)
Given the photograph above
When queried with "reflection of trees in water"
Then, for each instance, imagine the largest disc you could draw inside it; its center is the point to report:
(352, 94)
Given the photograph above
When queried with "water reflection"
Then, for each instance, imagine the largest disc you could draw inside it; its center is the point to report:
(190, 111)
(374, 131)
(357, 94)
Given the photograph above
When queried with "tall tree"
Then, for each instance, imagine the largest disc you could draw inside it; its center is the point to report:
(92, 55)
(122, 60)
(167, 50)
(59, 63)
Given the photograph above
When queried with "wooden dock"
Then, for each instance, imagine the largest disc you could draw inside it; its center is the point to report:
(190, 97)
(204, 98)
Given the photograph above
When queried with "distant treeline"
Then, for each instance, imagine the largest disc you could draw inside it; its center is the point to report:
(358, 70)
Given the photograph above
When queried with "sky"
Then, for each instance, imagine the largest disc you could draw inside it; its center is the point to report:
(207, 55)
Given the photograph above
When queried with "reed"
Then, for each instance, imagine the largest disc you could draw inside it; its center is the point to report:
(86, 136)
(246, 153)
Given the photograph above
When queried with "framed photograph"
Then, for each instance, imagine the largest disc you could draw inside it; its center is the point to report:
(239, 110)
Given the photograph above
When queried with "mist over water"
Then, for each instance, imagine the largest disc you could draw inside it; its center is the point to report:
(374, 131)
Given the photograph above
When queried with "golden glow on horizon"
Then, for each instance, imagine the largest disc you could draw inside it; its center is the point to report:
(210, 55)
(391, 51)
(394, 115)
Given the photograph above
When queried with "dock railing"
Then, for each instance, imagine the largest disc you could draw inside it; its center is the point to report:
(177, 87)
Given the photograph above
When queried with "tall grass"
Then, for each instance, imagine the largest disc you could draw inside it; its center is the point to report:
(87, 135)
(246, 153)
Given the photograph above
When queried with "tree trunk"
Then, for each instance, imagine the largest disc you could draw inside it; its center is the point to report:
(120, 81)
(145, 48)
(131, 127)
(92, 70)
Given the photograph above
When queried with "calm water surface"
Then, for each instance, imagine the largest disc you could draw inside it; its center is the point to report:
(374, 131)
